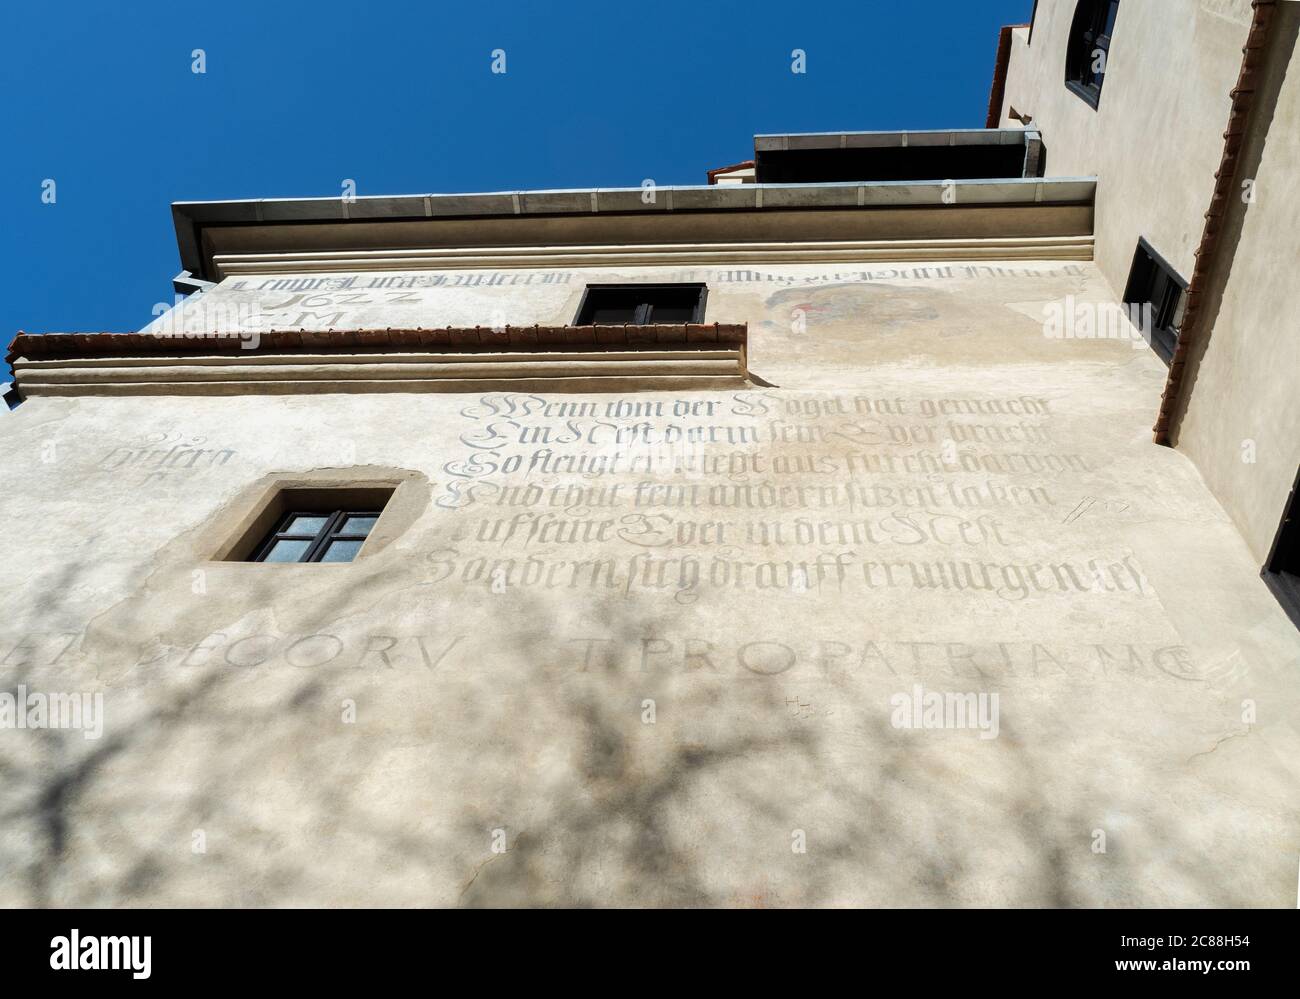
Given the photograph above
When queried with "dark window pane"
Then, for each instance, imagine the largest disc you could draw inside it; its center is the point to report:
(1111, 13)
(357, 525)
(1283, 570)
(287, 551)
(1286, 558)
(612, 316)
(1154, 285)
(640, 304)
(304, 525)
(1179, 308)
(341, 551)
(672, 314)
(1089, 47)
(1168, 306)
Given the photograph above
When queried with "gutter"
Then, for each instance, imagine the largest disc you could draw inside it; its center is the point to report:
(1210, 251)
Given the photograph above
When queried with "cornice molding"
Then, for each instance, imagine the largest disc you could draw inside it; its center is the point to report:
(552, 359)
(866, 251)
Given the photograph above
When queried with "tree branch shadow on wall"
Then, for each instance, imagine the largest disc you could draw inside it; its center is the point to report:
(596, 806)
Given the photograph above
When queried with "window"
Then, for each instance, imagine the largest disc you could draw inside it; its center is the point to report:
(1282, 571)
(327, 515)
(312, 536)
(641, 304)
(1089, 47)
(1159, 293)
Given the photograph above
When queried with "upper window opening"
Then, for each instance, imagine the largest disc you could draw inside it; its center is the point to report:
(641, 304)
(1160, 294)
(1089, 47)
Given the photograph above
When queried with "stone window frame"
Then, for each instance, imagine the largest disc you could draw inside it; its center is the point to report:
(243, 528)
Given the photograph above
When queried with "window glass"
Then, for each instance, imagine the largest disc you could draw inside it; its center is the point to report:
(357, 525)
(341, 551)
(305, 525)
(287, 551)
(1088, 48)
(318, 536)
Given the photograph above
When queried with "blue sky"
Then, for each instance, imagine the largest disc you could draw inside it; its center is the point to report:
(400, 97)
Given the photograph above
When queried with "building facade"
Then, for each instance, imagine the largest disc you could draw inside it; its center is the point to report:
(1191, 135)
(798, 538)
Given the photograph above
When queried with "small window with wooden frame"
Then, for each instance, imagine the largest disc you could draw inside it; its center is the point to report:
(310, 524)
(336, 536)
(641, 304)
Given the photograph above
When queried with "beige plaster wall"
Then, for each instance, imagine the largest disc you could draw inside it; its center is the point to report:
(1154, 144)
(649, 648)
(1242, 423)
(1155, 140)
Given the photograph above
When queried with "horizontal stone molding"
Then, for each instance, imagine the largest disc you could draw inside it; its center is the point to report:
(550, 384)
(936, 250)
(571, 358)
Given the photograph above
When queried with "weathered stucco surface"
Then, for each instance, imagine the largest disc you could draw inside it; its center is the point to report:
(1155, 139)
(930, 492)
(1154, 144)
(1242, 423)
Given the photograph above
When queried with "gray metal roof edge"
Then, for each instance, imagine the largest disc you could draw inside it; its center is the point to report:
(887, 131)
(191, 216)
(239, 209)
(796, 141)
